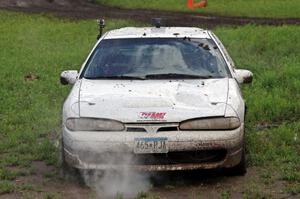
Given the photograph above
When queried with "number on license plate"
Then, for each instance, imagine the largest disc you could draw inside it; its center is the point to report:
(150, 145)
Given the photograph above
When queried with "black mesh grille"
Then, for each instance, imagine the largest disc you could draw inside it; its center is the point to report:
(162, 129)
(208, 156)
(136, 129)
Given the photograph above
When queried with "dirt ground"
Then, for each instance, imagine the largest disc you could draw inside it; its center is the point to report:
(196, 184)
(82, 9)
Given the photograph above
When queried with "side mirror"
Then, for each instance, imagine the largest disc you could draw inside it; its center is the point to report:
(243, 76)
(68, 77)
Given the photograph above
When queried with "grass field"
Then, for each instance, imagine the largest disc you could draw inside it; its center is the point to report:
(258, 8)
(35, 49)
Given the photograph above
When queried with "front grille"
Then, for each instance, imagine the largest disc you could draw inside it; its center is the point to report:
(188, 157)
(172, 128)
(151, 127)
(135, 129)
(209, 156)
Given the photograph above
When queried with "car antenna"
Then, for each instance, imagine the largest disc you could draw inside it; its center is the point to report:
(101, 24)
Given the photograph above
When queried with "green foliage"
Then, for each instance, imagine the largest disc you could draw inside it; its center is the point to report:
(258, 8)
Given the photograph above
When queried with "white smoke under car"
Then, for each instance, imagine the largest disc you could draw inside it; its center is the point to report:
(155, 99)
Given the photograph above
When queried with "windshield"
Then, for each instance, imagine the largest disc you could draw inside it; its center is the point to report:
(146, 58)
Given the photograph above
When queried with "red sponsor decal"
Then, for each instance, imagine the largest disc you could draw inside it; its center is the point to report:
(152, 115)
(191, 4)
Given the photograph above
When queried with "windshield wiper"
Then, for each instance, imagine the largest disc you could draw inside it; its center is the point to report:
(177, 75)
(117, 77)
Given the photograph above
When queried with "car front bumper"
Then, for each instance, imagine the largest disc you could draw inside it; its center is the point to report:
(115, 150)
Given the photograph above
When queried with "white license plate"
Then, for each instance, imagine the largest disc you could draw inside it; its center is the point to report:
(150, 145)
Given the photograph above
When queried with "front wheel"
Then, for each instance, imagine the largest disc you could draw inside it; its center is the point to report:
(68, 172)
(241, 168)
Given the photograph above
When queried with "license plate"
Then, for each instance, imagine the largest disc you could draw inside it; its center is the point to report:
(150, 145)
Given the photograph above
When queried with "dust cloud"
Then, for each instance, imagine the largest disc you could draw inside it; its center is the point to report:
(123, 181)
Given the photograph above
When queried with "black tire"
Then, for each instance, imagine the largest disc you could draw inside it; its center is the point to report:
(68, 172)
(240, 169)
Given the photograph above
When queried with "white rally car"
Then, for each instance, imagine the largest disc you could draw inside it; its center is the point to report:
(155, 99)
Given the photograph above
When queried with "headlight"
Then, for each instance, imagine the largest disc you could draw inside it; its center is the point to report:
(91, 124)
(221, 123)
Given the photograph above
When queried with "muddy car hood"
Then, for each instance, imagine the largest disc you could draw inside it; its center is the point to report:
(153, 100)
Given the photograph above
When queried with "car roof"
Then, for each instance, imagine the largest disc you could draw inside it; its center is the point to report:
(153, 32)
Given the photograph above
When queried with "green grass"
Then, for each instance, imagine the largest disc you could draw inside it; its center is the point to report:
(272, 54)
(277, 149)
(9, 187)
(6, 187)
(257, 8)
(30, 111)
(273, 98)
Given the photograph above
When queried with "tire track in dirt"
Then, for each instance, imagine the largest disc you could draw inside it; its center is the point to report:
(86, 9)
